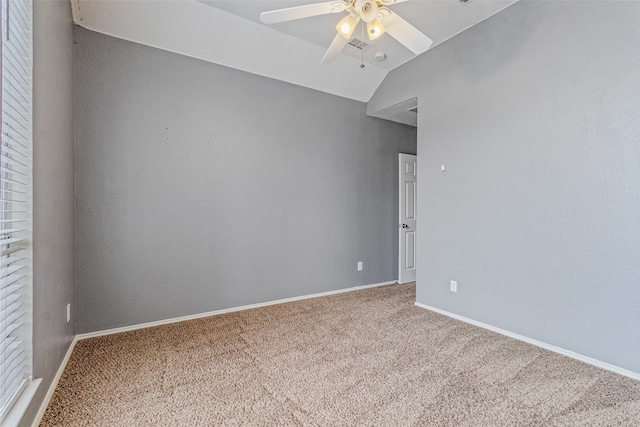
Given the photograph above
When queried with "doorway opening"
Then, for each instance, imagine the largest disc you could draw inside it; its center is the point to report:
(407, 193)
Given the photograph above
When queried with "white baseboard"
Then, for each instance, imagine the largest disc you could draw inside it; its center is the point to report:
(54, 384)
(555, 349)
(223, 311)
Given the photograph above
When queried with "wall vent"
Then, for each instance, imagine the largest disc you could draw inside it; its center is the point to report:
(413, 109)
(359, 44)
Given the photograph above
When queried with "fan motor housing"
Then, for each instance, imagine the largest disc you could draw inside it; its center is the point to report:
(367, 9)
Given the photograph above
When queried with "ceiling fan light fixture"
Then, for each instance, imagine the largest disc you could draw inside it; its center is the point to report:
(346, 26)
(375, 29)
(373, 12)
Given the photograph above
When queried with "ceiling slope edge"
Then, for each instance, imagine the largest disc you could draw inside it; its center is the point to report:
(154, 24)
(386, 97)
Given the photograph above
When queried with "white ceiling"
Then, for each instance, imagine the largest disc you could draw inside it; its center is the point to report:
(230, 33)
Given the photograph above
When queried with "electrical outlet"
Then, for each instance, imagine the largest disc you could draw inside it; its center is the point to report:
(454, 286)
(360, 266)
(68, 312)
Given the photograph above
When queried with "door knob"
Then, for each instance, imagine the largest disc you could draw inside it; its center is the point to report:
(404, 225)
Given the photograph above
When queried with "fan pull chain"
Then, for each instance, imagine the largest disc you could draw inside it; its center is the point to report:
(362, 44)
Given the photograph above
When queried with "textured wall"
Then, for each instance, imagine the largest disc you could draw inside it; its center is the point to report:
(535, 113)
(53, 198)
(201, 187)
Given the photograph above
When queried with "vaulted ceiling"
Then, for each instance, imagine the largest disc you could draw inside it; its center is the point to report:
(230, 33)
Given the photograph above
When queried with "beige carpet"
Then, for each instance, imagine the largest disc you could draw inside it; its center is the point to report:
(360, 358)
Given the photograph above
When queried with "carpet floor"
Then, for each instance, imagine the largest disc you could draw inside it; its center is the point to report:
(368, 357)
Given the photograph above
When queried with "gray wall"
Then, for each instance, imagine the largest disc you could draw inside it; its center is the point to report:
(201, 187)
(53, 198)
(535, 113)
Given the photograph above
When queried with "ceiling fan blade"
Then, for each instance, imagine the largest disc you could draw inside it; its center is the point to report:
(406, 34)
(335, 49)
(299, 12)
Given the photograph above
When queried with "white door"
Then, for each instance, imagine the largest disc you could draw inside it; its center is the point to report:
(407, 226)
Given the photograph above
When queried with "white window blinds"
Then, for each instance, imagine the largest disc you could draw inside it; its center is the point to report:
(15, 202)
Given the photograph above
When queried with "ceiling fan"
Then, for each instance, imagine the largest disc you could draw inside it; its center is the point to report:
(375, 13)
